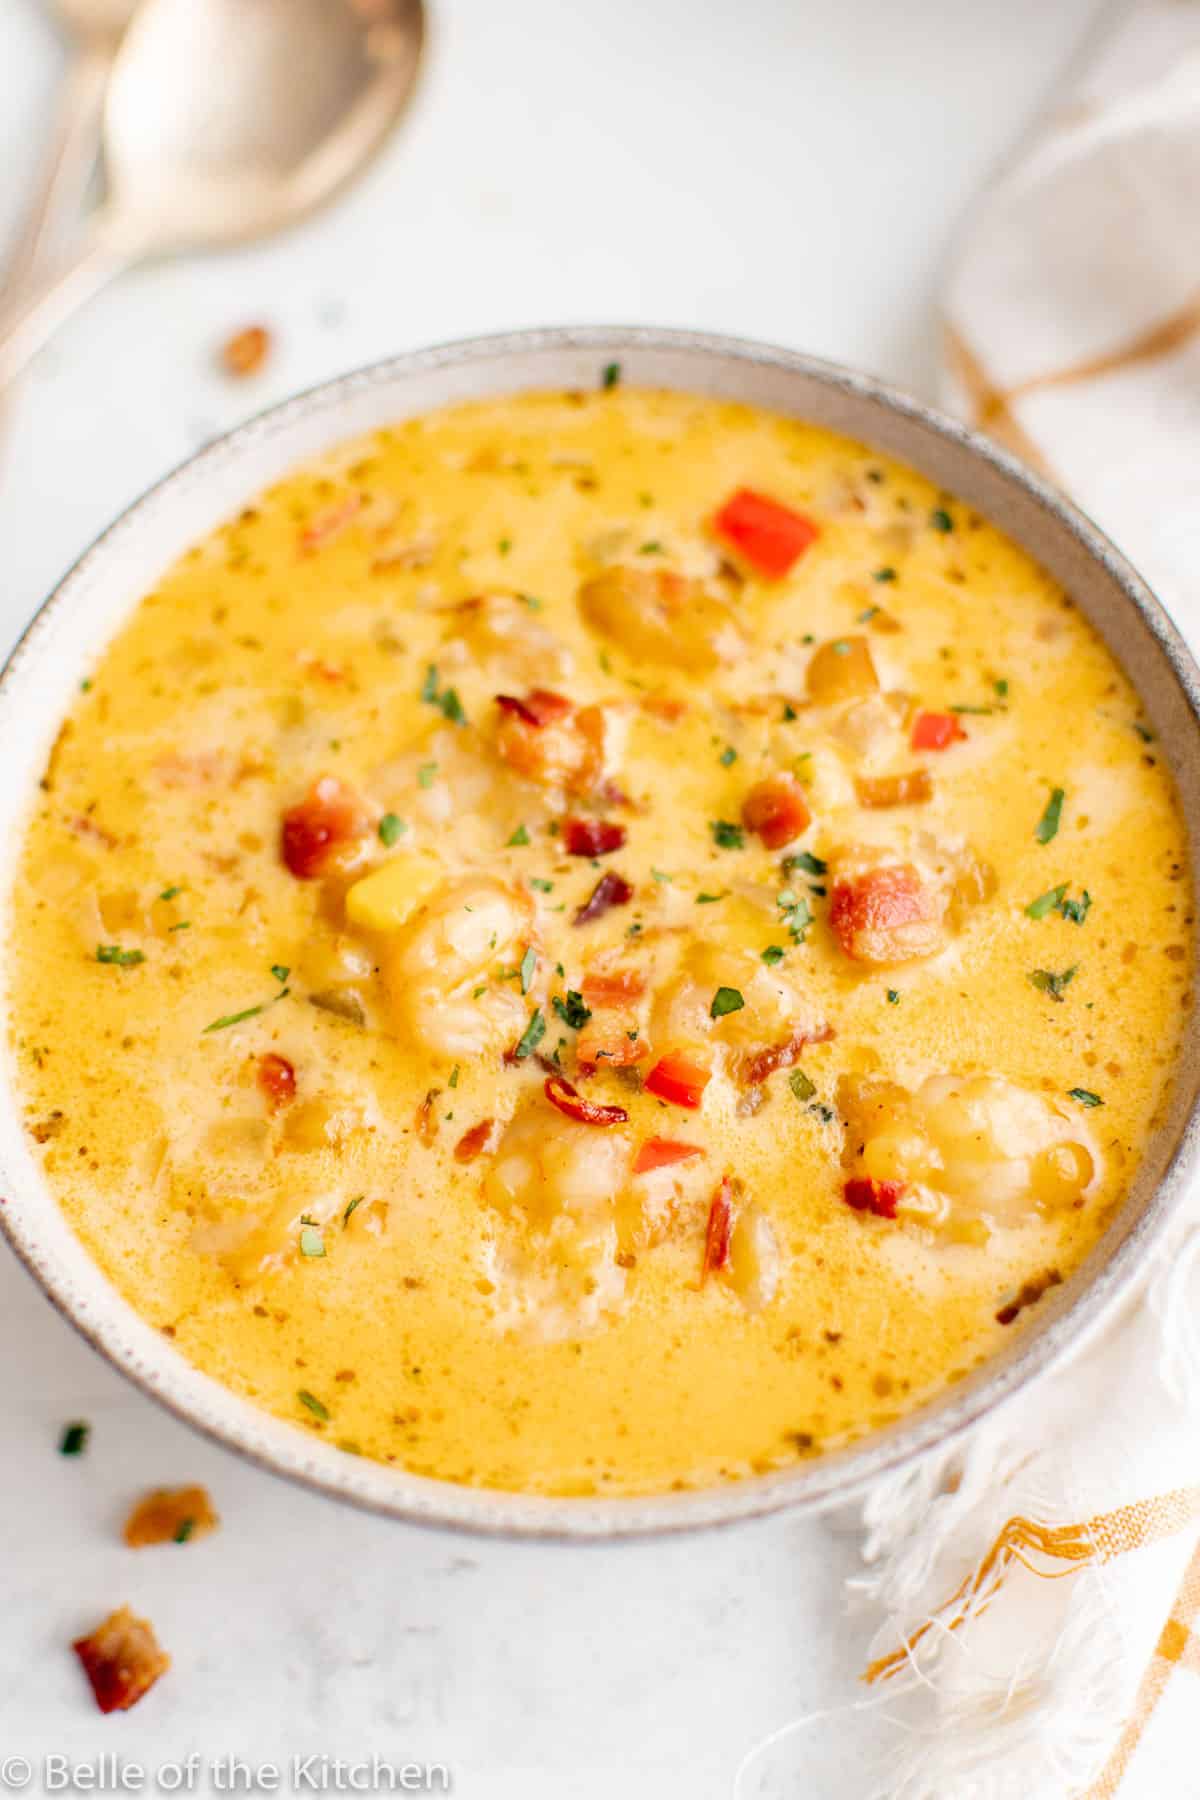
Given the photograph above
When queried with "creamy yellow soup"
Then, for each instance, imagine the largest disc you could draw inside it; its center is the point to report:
(593, 943)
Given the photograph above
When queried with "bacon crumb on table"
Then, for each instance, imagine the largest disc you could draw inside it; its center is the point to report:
(122, 1659)
(246, 351)
(170, 1516)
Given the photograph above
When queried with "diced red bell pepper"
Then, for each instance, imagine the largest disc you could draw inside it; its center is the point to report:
(936, 731)
(592, 837)
(865, 1194)
(680, 1080)
(330, 815)
(660, 1153)
(776, 810)
(277, 1079)
(771, 537)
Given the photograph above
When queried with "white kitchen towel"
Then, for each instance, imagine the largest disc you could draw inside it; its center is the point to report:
(1040, 1589)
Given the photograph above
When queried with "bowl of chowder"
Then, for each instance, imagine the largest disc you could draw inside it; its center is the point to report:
(598, 933)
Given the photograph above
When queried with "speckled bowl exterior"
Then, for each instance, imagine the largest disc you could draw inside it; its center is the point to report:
(41, 680)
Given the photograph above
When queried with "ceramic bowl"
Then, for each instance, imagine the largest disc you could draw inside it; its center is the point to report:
(41, 680)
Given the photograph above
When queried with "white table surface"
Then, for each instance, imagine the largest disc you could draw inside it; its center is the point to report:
(787, 169)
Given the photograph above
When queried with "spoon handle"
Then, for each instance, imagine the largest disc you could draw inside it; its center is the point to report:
(68, 163)
(33, 314)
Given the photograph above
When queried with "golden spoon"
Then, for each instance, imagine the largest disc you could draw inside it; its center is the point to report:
(226, 120)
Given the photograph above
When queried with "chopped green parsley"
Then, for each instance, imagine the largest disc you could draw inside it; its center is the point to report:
(572, 1010)
(726, 835)
(124, 959)
(1084, 1096)
(1047, 825)
(391, 829)
(1049, 983)
(726, 1000)
(801, 1086)
(532, 1035)
(316, 1407)
(73, 1441)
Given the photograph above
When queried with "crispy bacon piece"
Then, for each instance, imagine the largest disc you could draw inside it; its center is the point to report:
(538, 708)
(122, 1660)
(719, 1231)
(770, 536)
(548, 740)
(865, 1194)
(936, 731)
(611, 1042)
(886, 915)
(425, 1121)
(611, 890)
(277, 1079)
(170, 1516)
(570, 1101)
(776, 810)
(327, 525)
(592, 837)
(755, 1065)
(660, 1153)
(476, 1142)
(680, 1080)
(913, 788)
(617, 988)
(330, 816)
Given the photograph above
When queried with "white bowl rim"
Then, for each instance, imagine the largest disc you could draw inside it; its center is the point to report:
(1070, 1317)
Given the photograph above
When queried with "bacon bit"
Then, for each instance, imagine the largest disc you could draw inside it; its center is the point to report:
(328, 524)
(330, 815)
(1028, 1294)
(592, 837)
(677, 1079)
(753, 1068)
(886, 915)
(425, 1122)
(865, 1194)
(85, 826)
(476, 1142)
(610, 1044)
(913, 788)
(246, 351)
(771, 537)
(661, 706)
(122, 1659)
(936, 731)
(170, 1516)
(776, 810)
(660, 1153)
(538, 708)
(324, 671)
(611, 890)
(614, 989)
(570, 1101)
(277, 1079)
(548, 740)
(720, 1230)
(200, 768)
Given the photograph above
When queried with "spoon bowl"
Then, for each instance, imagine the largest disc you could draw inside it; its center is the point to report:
(227, 120)
(308, 90)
